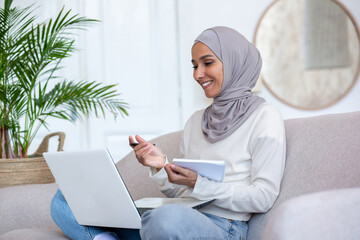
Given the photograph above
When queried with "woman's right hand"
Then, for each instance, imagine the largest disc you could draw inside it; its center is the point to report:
(147, 154)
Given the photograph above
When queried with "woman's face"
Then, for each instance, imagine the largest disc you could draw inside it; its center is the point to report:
(208, 69)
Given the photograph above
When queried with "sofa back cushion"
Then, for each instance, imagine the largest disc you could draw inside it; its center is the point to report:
(136, 176)
(323, 153)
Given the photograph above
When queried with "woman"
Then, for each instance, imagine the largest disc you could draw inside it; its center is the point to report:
(237, 127)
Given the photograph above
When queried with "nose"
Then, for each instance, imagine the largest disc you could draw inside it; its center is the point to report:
(199, 73)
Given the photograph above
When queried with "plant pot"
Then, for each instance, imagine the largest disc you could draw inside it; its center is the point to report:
(32, 170)
(20, 171)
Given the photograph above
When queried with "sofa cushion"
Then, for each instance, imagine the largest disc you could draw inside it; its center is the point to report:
(322, 154)
(136, 176)
(34, 234)
(323, 215)
(26, 206)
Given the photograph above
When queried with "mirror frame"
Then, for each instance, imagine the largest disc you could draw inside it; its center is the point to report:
(356, 75)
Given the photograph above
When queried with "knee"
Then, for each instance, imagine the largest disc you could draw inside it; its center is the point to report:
(58, 203)
(60, 211)
(63, 217)
(163, 215)
(164, 221)
(55, 205)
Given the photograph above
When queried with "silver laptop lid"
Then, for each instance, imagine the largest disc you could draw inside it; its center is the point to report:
(99, 197)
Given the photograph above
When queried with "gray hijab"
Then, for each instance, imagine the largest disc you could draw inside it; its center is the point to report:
(241, 66)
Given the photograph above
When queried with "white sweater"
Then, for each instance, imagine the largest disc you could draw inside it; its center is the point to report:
(255, 160)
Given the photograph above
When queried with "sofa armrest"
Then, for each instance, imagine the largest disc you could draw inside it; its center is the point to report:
(26, 206)
(323, 215)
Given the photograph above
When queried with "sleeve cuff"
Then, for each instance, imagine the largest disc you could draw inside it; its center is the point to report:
(159, 176)
(200, 190)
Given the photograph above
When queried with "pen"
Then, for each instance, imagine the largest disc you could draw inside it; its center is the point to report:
(135, 144)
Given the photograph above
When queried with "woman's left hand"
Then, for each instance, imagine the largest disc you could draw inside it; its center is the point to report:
(180, 175)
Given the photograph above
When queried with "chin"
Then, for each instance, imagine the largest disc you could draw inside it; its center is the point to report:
(209, 95)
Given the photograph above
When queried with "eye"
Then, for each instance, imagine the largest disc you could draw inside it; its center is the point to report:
(208, 63)
(195, 67)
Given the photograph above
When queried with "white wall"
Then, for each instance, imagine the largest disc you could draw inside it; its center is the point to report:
(144, 46)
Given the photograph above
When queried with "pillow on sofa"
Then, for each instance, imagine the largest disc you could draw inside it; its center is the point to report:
(324, 215)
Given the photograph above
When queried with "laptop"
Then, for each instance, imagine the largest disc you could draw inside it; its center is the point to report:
(96, 193)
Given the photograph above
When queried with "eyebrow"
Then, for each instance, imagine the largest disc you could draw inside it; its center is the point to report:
(203, 57)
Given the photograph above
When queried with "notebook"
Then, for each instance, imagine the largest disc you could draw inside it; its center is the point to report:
(96, 193)
(212, 169)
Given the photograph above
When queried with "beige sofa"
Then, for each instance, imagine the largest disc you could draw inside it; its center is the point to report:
(319, 199)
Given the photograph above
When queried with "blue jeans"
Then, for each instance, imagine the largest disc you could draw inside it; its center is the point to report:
(167, 222)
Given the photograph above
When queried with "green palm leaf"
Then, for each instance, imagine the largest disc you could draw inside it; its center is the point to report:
(30, 56)
(67, 99)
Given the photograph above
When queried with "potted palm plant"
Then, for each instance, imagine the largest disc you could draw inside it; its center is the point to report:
(30, 89)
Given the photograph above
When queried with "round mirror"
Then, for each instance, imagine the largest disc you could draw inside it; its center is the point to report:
(310, 51)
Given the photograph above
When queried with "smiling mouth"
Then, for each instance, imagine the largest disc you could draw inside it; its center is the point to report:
(206, 84)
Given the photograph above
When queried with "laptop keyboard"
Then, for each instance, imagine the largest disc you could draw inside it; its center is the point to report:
(143, 210)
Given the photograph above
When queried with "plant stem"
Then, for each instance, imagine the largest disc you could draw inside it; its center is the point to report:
(6, 143)
(2, 142)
